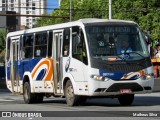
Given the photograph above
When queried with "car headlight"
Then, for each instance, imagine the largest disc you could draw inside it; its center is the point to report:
(100, 78)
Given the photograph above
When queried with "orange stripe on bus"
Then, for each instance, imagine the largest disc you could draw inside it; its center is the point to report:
(49, 63)
(50, 72)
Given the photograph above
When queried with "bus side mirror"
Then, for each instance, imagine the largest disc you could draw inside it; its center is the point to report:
(148, 39)
(151, 52)
(75, 34)
(77, 38)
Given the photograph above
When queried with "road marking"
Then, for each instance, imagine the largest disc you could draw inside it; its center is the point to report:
(3, 100)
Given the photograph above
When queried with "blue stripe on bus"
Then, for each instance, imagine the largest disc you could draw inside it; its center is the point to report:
(41, 74)
(24, 65)
(119, 75)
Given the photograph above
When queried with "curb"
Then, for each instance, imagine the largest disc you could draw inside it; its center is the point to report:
(156, 85)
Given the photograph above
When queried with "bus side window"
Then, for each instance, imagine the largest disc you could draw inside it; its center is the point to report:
(21, 54)
(50, 40)
(84, 50)
(40, 44)
(76, 47)
(66, 42)
(28, 45)
(79, 48)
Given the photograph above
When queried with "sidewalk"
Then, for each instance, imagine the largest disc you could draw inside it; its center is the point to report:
(156, 85)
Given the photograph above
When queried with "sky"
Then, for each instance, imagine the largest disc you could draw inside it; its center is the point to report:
(52, 4)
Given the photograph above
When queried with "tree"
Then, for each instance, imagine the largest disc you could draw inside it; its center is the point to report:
(3, 34)
(44, 21)
(145, 12)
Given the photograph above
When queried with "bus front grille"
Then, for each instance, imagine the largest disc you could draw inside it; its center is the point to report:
(118, 86)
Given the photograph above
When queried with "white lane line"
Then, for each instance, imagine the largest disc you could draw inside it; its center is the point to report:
(3, 100)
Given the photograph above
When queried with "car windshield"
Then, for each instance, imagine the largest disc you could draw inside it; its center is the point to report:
(116, 42)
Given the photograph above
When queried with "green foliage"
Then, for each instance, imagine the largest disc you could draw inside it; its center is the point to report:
(2, 56)
(3, 34)
(145, 12)
(44, 21)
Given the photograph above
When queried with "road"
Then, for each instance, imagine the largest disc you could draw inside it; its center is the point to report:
(99, 107)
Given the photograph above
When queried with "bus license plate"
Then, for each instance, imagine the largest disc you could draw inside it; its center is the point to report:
(122, 91)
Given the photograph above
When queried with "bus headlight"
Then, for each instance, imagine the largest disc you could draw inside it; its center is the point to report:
(148, 76)
(99, 78)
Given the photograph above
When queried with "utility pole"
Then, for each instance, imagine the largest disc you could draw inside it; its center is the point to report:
(18, 17)
(110, 9)
(6, 4)
(70, 10)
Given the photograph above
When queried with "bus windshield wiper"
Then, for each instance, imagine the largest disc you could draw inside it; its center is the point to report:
(128, 61)
(125, 56)
(138, 54)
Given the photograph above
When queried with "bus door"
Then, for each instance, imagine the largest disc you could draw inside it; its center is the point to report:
(57, 62)
(14, 64)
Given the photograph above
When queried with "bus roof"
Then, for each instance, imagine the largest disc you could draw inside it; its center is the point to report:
(68, 24)
(94, 20)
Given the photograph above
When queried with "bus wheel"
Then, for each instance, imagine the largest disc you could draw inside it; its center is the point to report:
(126, 99)
(71, 99)
(27, 95)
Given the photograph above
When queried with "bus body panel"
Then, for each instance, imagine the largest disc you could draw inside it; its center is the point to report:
(37, 70)
(40, 71)
(80, 87)
(76, 69)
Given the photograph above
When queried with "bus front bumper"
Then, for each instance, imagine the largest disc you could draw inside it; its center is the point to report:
(112, 87)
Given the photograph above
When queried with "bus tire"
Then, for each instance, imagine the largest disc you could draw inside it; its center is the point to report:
(126, 99)
(71, 98)
(27, 95)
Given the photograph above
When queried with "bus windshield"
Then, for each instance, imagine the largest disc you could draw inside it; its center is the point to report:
(116, 42)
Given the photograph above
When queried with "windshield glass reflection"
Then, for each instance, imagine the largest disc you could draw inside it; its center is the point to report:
(116, 42)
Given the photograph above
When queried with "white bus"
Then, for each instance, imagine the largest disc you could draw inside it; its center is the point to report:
(78, 60)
